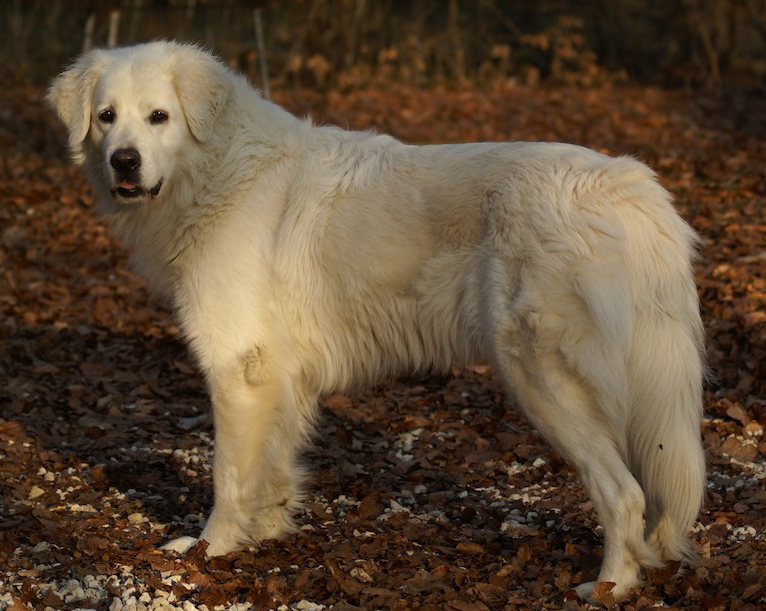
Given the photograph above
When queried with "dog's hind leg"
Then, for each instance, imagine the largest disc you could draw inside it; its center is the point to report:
(561, 406)
(260, 425)
(568, 377)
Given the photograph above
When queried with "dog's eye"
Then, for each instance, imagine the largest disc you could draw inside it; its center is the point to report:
(106, 116)
(158, 116)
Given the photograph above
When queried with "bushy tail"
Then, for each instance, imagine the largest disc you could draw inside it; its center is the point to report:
(665, 373)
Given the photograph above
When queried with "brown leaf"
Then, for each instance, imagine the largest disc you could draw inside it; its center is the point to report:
(213, 596)
(524, 553)
(739, 449)
(92, 544)
(460, 605)
(490, 594)
(370, 507)
(17, 605)
(602, 593)
(338, 402)
(469, 548)
(736, 412)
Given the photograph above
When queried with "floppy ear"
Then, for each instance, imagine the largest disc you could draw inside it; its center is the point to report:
(203, 86)
(71, 95)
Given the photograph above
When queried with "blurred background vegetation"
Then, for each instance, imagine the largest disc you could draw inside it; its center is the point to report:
(455, 43)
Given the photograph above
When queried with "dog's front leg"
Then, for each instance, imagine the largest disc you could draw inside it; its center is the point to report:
(259, 427)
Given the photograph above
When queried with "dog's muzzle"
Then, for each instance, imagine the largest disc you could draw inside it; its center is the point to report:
(127, 165)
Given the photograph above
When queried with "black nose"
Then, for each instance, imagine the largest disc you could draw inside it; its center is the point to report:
(125, 160)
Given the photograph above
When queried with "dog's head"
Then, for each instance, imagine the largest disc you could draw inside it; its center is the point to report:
(131, 112)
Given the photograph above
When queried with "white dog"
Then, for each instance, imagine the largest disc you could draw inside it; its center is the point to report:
(300, 260)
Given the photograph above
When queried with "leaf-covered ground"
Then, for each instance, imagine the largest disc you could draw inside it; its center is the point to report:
(426, 493)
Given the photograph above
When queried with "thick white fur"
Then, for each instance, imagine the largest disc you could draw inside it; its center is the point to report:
(301, 260)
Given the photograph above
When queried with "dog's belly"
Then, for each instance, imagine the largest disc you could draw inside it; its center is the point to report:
(355, 338)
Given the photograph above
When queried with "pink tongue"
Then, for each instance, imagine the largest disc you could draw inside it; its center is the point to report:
(127, 185)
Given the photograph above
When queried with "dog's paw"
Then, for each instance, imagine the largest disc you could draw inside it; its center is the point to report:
(602, 593)
(180, 545)
(218, 547)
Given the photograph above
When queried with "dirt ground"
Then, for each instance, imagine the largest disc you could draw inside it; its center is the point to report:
(427, 493)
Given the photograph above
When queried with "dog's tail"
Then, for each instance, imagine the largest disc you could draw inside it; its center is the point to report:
(665, 371)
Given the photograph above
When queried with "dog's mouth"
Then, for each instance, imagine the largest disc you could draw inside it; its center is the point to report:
(130, 190)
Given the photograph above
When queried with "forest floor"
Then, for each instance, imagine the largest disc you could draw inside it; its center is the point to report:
(425, 493)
